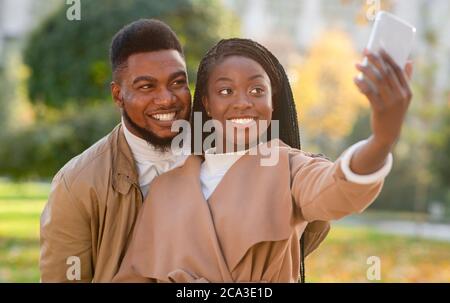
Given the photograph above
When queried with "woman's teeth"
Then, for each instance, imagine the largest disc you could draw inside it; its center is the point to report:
(242, 120)
(164, 117)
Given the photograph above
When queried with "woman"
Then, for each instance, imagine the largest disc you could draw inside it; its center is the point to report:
(235, 220)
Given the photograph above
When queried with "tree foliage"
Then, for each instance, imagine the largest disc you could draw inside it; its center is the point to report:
(327, 99)
(69, 75)
(69, 59)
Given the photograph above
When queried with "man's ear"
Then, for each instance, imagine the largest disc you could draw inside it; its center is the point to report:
(116, 93)
(206, 105)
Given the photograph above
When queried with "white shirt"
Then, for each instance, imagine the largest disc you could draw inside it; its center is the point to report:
(216, 166)
(150, 162)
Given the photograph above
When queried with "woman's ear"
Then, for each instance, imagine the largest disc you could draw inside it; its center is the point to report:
(205, 103)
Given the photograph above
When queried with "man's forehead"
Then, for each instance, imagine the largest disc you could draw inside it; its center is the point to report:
(156, 59)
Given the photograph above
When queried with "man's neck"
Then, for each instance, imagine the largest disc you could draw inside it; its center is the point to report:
(143, 150)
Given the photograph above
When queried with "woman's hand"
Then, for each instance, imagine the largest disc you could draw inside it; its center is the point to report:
(389, 97)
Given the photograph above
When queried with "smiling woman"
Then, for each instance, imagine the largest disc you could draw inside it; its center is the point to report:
(249, 218)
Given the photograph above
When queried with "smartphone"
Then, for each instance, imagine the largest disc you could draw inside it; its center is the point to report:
(392, 34)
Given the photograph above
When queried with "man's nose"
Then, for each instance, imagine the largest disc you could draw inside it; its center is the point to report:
(165, 98)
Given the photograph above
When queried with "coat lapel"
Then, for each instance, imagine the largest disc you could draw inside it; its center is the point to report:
(252, 204)
(176, 230)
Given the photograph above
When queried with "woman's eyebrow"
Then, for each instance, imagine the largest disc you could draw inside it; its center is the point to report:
(256, 76)
(224, 79)
(230, 80)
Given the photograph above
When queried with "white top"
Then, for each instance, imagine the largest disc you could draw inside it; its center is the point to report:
(150, 162)
(215, 167)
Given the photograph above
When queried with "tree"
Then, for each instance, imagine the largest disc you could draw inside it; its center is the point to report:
(327, 99)
(69, 59)
(440, 161)
(70, 74)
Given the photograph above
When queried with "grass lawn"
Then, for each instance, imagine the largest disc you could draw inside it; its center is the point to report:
(341, 258)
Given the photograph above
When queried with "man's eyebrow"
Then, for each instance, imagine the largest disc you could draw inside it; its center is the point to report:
(177, 74)
(144, 78)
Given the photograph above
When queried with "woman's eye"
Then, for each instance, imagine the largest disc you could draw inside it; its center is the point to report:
(225, 91)
(257, 91)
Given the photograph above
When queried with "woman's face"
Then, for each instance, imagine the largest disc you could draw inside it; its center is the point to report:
(239, 94)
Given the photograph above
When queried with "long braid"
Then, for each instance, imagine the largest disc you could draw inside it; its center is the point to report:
(283, 101)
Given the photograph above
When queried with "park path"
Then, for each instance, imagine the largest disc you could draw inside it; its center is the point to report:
(426, 230)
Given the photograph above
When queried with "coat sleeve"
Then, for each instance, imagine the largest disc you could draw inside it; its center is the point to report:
(322, 192)
(65, 237)
(314, 234)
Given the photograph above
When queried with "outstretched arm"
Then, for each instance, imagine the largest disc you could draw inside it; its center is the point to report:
(328, 191)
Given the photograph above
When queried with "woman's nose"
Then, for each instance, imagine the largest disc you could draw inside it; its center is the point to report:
(242, 102)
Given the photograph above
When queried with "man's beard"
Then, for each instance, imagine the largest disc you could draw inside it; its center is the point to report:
(160, 144)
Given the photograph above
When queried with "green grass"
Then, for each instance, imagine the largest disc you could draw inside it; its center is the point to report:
(341, 258)
(26, 190)
(20, 208)
(19, 240)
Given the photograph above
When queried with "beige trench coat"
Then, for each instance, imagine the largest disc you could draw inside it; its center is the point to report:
(248, 230)
(91, 212)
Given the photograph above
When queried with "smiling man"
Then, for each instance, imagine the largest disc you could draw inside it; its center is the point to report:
(95, 198)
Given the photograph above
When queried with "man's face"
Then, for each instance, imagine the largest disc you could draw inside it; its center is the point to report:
(153, 92)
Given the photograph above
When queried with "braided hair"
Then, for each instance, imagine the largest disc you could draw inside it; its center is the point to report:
(282, 99)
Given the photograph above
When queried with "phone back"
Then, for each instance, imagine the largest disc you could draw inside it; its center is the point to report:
(394, 35)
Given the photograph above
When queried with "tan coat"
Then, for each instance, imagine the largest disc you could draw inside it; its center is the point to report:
(249, 228)
(90, 213)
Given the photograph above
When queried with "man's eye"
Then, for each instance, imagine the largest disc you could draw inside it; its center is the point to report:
(225, 91)
(179, 82)
(257, 91)
(146, 86)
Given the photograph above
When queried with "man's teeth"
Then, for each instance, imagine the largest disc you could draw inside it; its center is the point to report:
(242, 120)
(164, 117)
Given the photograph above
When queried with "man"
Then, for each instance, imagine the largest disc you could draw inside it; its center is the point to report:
(96, 196)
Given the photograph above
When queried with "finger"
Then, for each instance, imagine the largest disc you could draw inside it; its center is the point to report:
(401, 76)
(377, 62)
(394, 83)
(380, 85)
(372, 96)
(380, 66)
(398, 71)
(409, 68)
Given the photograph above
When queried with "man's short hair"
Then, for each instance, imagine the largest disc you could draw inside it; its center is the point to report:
(143, 35)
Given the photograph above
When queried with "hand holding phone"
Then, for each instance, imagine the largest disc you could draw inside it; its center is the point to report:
(384, 82)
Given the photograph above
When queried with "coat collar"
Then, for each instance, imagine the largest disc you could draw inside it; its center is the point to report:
(240, 199)
(123, 168)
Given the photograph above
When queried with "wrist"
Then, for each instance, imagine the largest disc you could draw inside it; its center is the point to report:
(381, 144)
